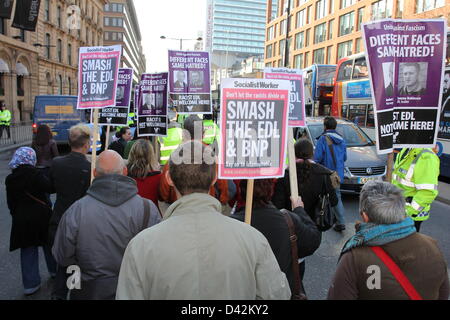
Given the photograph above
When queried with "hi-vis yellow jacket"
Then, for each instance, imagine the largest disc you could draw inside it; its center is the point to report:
(170, 143)
(416, 172)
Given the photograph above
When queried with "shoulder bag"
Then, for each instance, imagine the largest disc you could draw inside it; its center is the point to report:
(299, 291)
(323, 213)
(334, 176)
(397, 273)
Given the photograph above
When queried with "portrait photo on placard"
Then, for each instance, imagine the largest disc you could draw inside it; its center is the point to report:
(412, 79)
(388, 73)
(180, 79)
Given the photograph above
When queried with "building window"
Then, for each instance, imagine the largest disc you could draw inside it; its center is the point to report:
(59, 49)
(329, 53)
(309, 14)
(106, 22)
(58, 17)
(298, 61)
(2, 84)
(282, 27)
(382, 9)
(70, 86)
(399, 12)
(360, 18)
(301, 18)
(346, 23)
(299, 39)
(2, 26)
(47, 10)
(270, 34)
(344, 49)
(307, 38)
(269, 51)
(426, 5)
(319, 56)
(330, 29)
(321, 9)
(282, 47)
(306, 59)
(331, 6)
(22, 35)
(20, 88)
(69, 54)
(47, 45)
(320, 32)
(347, 3)
(358, 45)
(60, 85)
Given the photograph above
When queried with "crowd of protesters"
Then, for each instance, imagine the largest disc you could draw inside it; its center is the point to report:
(146, 229)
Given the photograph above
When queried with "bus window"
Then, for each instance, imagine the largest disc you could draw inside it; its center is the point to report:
(360, 71)
(357, 114)
(370, 117)
(345, 70)
(344, 111)
(325, 75)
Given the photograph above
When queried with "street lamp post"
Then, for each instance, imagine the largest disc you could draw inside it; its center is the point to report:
(181, 40)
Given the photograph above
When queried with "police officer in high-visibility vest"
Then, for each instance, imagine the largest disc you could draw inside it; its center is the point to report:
(211, 130)
(416, 172)
(5, 120)
(173, 139)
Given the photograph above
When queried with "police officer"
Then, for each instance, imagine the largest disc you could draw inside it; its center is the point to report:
(211, 130)
(173, 139)
(416, 172)
(5, 120)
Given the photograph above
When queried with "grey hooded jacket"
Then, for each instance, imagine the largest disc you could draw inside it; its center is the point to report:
(95, 231)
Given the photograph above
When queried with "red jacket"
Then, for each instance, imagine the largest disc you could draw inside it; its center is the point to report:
(148, 187)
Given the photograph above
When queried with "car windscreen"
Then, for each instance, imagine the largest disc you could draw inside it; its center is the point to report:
(353, 136)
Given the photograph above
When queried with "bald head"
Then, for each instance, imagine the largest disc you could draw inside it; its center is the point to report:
(110, 162)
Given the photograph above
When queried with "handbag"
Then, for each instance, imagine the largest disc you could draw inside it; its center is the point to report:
(334, 176)
(299, 291)
(323, 213)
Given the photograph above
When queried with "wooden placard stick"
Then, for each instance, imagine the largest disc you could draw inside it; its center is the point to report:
(249, 201)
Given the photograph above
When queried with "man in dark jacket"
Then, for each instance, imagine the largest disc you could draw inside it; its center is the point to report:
(70, 176)
(361, 274)
(331, 152)
(95, 231)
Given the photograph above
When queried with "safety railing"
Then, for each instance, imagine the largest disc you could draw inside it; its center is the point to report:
(19, 133)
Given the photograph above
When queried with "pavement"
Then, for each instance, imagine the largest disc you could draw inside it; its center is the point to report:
(320, 267)
(444, 192)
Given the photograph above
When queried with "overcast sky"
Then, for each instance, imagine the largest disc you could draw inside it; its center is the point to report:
(171, 18)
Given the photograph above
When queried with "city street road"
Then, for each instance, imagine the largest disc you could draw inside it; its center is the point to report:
(320, 267)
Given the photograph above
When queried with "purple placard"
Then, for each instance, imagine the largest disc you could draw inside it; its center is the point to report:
(189, 81)
(405, 62)
(118, 115)
(152, 105)
(124, 84)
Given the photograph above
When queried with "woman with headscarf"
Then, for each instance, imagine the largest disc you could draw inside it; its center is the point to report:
(26, 189)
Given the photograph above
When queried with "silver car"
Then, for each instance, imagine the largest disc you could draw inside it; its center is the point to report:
(363, 163)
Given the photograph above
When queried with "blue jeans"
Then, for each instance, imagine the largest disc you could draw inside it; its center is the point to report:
(339, 208)
(29, 260)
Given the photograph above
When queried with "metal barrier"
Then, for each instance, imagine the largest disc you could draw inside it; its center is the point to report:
(21, 132)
